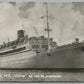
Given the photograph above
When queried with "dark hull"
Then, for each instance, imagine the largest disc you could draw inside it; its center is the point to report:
(71, 57)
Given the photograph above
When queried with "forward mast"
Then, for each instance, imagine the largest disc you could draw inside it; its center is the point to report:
(48, 29)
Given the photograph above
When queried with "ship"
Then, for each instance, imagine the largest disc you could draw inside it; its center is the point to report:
(40, 52)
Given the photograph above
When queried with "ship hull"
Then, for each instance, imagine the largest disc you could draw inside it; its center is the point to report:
(57, 58)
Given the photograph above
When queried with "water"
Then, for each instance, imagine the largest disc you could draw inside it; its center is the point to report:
(41, 76)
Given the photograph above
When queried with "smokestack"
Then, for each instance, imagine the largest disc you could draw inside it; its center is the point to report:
(20, 34)
(77, 40)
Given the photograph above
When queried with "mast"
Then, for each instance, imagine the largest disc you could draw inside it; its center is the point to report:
(48, 29)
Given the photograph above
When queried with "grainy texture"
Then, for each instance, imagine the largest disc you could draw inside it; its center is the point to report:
(40, 76)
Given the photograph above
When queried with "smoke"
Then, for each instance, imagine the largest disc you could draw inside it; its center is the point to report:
(24, 9)
(30, 14)
(12, 3)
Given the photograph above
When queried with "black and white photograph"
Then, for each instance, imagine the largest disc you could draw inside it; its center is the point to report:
(41, 41)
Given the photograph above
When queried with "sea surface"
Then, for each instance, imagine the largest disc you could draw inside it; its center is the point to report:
(41, 76)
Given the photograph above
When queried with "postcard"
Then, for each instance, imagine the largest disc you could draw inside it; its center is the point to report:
(41, 41)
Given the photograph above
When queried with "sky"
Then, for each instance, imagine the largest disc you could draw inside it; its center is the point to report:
(66, 20)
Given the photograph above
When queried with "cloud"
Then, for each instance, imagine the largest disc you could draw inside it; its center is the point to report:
(12, 3)
(64, 22)
(78, 6)
(9, 22)
(24, 9)
(66, 19)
